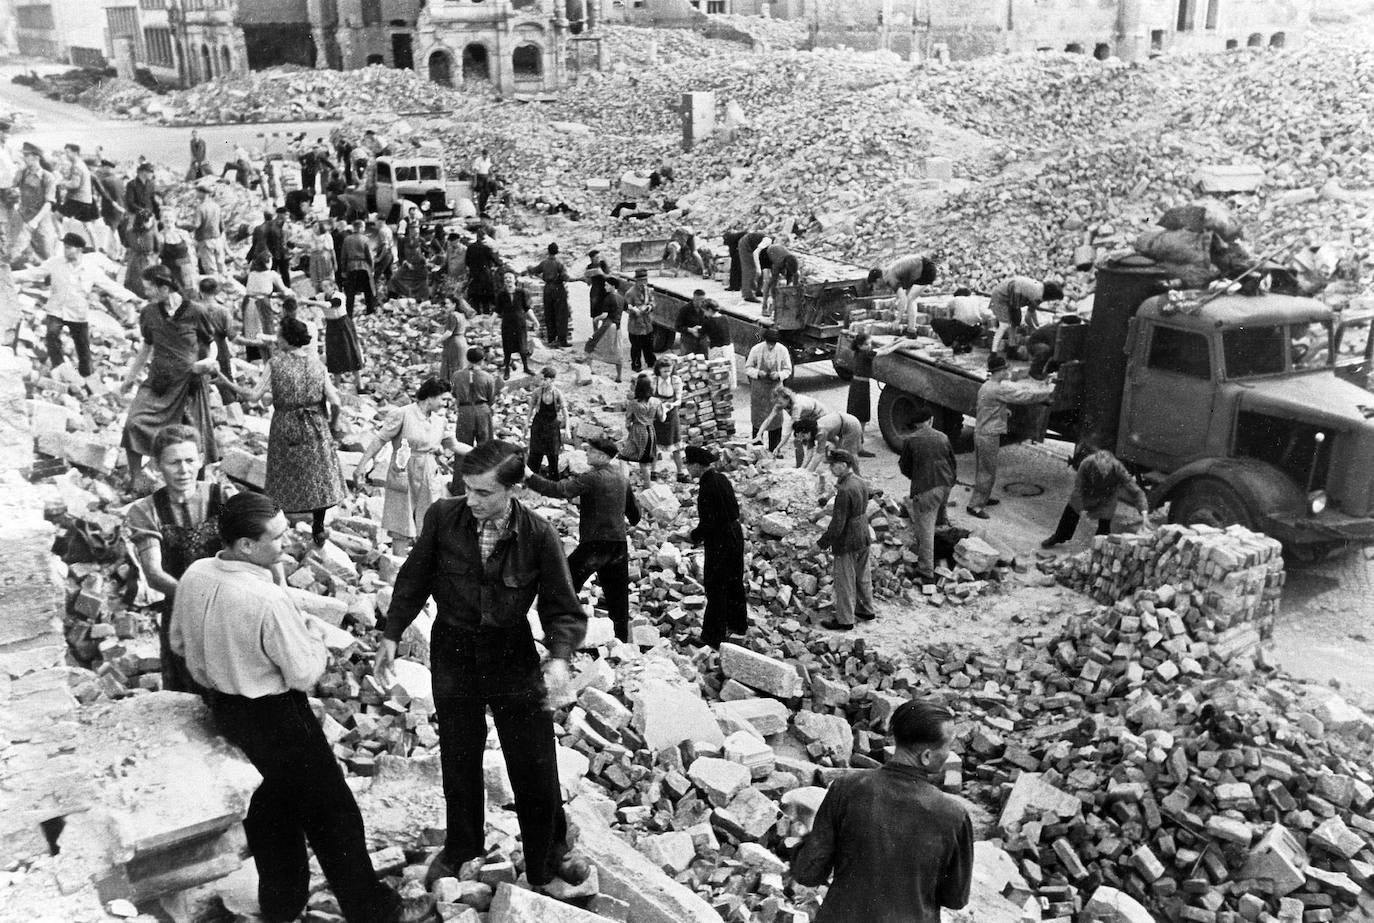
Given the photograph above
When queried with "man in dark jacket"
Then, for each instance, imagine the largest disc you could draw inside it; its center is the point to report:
(848, 538)
(356, 265)
(899, 848)
(718, 530)
(555, 277)
(689, 326)
(485, 558)
(597, 275)
(482, 262)
(606, 508)
(928, 460)
(140, 193)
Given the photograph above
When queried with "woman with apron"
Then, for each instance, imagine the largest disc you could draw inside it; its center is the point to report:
(860, 403)
(416, 434)
(174, 526)
(668, 430)
(640, 446)
(548, 421)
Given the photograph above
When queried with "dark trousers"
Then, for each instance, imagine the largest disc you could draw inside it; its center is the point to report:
(956, 333)
(642, 351)
(81, 339)
(732, 244)
(556, 314)
(282, 265)
(355, 281)
(610, 561)
(1068, 525)
(774, 439)
(727, 606)
(482, 186)
(474, 670)
(303, 799)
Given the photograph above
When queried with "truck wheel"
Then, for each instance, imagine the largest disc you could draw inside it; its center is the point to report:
(842, 373)
(1209, 502)
(897, 413)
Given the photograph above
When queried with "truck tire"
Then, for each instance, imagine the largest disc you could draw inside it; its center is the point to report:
(1209, 502)
(897, 409)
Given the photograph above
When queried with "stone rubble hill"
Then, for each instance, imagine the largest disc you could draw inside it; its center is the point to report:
(999, 165)
(1129, 766)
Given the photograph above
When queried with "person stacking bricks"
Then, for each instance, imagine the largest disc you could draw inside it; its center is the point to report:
(485, 558)
(607, 507)
(259, 658)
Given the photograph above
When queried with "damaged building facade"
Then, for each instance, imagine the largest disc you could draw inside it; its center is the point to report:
(519, 48)
(1131, 30)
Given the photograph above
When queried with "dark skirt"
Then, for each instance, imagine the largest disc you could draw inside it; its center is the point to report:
(668, 432)
(513, 338)
(341, 352)
(181, 398)
(545, 435)
(860, 400)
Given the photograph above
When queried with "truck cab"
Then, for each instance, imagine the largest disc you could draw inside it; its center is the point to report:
(1235, 404)
(423, 181)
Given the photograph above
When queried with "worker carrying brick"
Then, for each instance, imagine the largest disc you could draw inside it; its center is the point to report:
(995, 397)
(899, 848)
(1014, 302)
(259, 658)
(900, 277)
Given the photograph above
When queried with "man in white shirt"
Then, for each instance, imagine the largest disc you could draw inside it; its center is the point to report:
(258, 658)
(71, 279)
(481, 180)
(968, 313)
(208, 230)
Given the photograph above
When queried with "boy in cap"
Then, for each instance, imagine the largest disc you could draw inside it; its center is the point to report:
(718, 531)
(607, 508)
(71, 281)
(850, 539)
(995, 397)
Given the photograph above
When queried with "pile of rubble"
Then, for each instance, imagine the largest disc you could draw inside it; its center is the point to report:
(280, 94)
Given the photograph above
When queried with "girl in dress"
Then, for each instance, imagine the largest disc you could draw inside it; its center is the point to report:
(548, 423)
(667, 429)
(640, 414)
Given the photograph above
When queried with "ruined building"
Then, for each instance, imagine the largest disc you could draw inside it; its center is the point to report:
(1128, 29)
(520, 48)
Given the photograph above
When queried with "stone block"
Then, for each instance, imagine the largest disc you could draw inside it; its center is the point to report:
(754, 813)
(759, 671)
(830, 731)
(750, 752)
(1230, 829)
(758, 857)
(607, 708)
(672, 852)
(829, 693)
(665, 715)
(325, 608)
(246, 467)
(496, 778)
(513, 904)
(1108, 905)
(1032, 796)
(87, 452)
(1276, 862)
(719, 779)
(881, 707)
(767, 716)
(1333, 836)
(628, 876)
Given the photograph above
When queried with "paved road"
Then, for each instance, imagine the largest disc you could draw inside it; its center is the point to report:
(1327, 627)
(58, 123)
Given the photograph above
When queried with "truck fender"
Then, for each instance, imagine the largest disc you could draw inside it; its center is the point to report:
(1266, 490)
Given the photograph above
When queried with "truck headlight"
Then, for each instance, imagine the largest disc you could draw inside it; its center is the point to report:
(1316, 502)
(424, 206)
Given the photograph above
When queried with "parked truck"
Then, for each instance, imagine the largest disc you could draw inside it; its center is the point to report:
(392, 181)
(1232, 408)
(810, 316)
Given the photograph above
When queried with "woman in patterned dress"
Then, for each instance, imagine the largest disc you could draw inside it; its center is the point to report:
(641, 412)
(303, 473)
(412, 486)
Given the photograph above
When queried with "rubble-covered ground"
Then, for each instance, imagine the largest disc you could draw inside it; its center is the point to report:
(1043, 149)
(1121, 761)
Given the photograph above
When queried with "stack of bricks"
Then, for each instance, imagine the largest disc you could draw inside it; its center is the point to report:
(707, 411)
(1219, 586)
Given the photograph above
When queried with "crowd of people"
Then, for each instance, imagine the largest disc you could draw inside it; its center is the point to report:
(281, 298)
